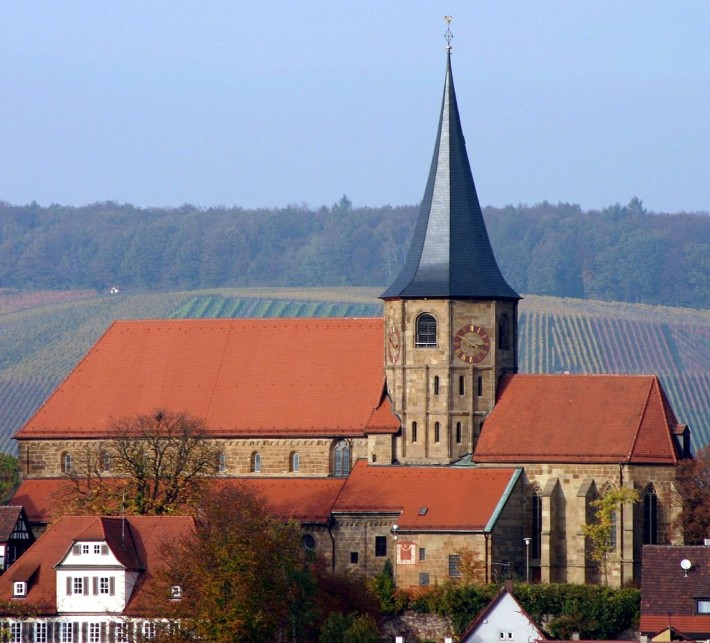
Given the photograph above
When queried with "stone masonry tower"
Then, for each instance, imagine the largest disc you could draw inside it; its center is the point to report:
(450, 317)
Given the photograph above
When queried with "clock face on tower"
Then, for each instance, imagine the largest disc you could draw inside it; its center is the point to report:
(471, 344)
(393, 345)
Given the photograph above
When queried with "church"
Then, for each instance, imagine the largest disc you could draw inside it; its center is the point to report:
(410, 437)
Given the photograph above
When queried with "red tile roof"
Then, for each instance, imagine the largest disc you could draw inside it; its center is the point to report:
(303, 499)
(140, 550)
(244, 377)
(8, 519)
(455, 498)
(308, 500)
(666, 588)
(579, 418)
(694, 627)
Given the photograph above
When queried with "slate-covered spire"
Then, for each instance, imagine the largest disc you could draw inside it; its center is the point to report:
(450, 255)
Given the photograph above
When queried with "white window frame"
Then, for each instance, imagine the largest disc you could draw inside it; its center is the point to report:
(19, 588)
(148, 630)
(97, 549)
(85, 550)
(104, 585)
(94, 633)
(39, 632)
(66, 632)
(121, 633)
(77, 585)
(15, 633)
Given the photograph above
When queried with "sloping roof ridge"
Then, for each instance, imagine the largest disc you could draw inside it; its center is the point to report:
(634, 441)
(668, 415)
(491, 605)
(69, 374)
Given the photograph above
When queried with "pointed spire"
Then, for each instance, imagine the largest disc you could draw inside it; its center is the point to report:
(450, 255)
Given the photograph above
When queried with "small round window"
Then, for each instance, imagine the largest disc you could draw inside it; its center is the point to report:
(309, 542)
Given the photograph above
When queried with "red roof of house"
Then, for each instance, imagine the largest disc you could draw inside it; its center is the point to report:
(666, 588)
(139, 548)
(9, 515)
(41, 498)
(693, 627)
(244, 377)
(428, 498)
(579, 418)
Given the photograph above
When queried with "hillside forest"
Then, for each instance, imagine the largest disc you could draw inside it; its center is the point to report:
(620, 253)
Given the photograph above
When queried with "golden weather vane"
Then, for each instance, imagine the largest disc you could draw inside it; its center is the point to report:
(448, 35)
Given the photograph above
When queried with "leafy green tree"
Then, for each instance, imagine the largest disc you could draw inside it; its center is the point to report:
(599, 531)
(693, 479)
(9, 473)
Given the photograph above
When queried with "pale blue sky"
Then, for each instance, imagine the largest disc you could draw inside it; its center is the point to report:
(272, 103)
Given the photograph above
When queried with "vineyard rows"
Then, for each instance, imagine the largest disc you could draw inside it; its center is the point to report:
(41, 345)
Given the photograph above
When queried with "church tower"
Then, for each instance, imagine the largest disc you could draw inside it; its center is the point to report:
(450, 316)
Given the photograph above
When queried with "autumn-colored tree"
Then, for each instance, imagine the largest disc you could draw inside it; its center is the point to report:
(471, 567)
(693, 480)
(150, 464)
(243, 574)
(599, 531)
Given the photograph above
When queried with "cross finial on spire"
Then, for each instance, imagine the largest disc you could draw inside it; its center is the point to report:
(448, 35)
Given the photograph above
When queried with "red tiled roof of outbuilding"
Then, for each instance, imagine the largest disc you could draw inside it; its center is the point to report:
(579, 418)
(244, 377)
(428, 498)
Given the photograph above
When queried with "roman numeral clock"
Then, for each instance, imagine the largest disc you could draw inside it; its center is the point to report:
(471, 344)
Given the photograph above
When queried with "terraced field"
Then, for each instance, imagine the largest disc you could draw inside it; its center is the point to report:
(43, 337)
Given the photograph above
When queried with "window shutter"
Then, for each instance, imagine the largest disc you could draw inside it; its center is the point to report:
(104, 550)
(96, 585)
(112, 586)
(84, 631)
(76, 550)
(86, 585)
(75, 629)
(69, 582)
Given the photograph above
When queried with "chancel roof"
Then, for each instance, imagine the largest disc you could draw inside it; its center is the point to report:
(243, 377)
(451, 254)
(579, 418)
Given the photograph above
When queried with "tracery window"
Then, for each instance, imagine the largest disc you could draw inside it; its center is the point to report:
(426, 331)
(650, 516)
(341, 459)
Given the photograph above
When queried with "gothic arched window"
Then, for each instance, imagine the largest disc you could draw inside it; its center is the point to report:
(105, 461)
(221, 462)
(67, 462)
(426, 331)
(341, 459)
(650, 516)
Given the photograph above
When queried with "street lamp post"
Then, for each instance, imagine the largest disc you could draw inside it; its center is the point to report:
(394, 530)
(527, 559)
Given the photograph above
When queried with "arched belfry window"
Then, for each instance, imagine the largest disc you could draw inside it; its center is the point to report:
(341, 459)
(504, 333)
(426, 331)
(650, 516)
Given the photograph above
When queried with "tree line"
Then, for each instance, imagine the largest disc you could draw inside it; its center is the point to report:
(620, 253)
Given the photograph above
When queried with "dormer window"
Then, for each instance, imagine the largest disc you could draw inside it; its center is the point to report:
(19, 588)
(176, 592)
(426, 331)
(85, 549)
